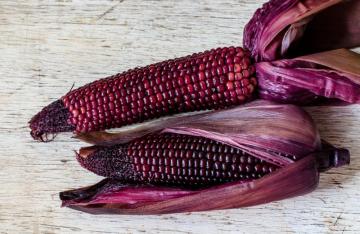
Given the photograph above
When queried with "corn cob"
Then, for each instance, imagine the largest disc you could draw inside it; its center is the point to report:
(249, 155)
(175, 159)
(210, 80)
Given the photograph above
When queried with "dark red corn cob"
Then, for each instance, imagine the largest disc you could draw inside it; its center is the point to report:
(174, 159)
(210, 80)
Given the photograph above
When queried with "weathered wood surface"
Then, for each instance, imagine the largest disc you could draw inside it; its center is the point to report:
(47, 46)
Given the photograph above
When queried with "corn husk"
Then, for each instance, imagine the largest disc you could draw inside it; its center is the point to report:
(302, 50)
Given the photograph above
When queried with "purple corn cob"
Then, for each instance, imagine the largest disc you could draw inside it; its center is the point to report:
(174, 159)
(210, 80)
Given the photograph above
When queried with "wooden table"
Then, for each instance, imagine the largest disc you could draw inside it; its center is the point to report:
(47, 46)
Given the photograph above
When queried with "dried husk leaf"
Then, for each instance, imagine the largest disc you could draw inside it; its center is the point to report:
(342, 60)
(306, 79)
(287, 39)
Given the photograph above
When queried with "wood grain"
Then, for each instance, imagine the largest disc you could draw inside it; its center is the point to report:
(47, 46)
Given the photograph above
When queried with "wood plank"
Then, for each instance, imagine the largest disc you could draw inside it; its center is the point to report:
(47, 46)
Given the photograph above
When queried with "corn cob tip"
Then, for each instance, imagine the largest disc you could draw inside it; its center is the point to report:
(107, 162)
(50, 120)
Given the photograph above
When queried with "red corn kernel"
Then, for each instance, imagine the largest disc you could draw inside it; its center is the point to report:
(160, 87)
(191, 161)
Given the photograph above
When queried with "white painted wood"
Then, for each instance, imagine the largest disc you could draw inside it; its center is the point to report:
(47, 45)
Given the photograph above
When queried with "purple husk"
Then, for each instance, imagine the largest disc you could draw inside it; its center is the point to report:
(281, 31)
